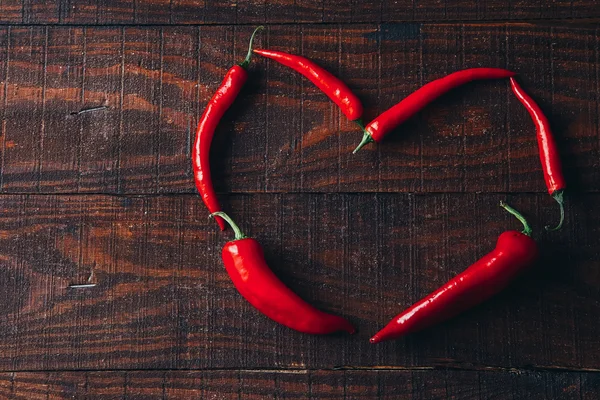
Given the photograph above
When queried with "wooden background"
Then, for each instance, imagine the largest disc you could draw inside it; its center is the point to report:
(107, 197)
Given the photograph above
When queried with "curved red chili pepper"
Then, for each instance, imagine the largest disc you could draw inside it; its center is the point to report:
(225, 95)
(514, 252)
(245, 263)
(549, 155)
(416, 101)
(333, 87)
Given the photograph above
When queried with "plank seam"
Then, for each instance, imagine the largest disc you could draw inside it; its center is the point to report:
(283, 370)
(570, 22)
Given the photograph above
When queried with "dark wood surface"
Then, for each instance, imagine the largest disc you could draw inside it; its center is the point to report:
(284, 135)
(107, 197)
(299, 384)
(171, 12)
(163, 299)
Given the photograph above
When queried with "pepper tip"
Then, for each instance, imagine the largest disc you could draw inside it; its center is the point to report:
(220, 221)
(346, 326)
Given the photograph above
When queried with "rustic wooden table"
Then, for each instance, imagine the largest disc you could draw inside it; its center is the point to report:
(106, 197)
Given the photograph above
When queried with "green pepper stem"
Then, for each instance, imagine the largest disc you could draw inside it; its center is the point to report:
(367, 138)
(244, 64)
(236, 229)
(526, 228)
(558, 196)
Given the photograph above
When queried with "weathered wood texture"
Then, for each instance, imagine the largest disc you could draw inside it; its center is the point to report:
(162, 319)
(163, 299)
(284, 135)
(162, 12)
(300, 384)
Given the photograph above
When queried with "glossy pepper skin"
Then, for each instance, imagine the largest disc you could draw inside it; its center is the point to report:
(416, 101)
(245, 263)
(333, 87)
(223, 98)
(515, 251)
(549, 155)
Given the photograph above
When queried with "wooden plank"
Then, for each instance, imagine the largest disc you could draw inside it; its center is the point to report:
(80, 12)
(485, 121)
(100, 132)
(573, 128)
(180, 69)
(285, 135)
(441, 162)
(284, 113)
(521, 48)
(296, 384)
(359, 68)
(4, 63)
(25, 106)
(248, 116)
(161, 12)
(118, 11)
(143, 83)
(47, 12)
(285, 11)
(320, 117)
(65, 73)
(250, 12)
(163, 300)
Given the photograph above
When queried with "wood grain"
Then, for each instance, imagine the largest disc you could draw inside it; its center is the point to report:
(284, 135)
(163, 299)
(98, 105)
(299, 384)
(285, 11)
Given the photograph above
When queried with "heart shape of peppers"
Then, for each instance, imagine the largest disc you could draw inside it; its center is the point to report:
(244, 259)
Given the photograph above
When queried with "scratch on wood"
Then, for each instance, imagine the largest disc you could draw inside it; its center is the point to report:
(82, 286)
(87, 110)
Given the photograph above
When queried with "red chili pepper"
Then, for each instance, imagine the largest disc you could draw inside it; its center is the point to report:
(245, 263)
(549, 155)
(333, 87)
(215, 109)
(416, 101)
(514, 252)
